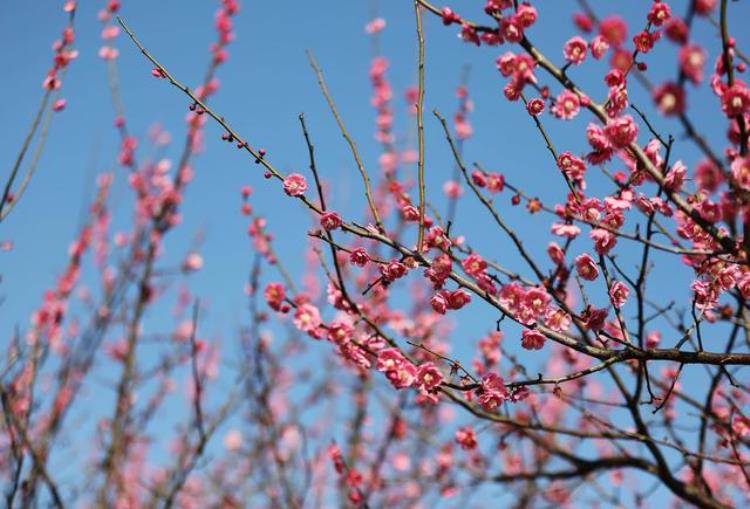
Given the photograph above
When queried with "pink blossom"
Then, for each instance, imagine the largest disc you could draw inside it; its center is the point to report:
(458, 299)
(466, 438)
(495, 182)
(599, 47)
(330, 220)
(659, 13)
(567, 105)
(340, 332)
(59, 104)
(275, 295)
(375, 26)
(295, 184)
(557, 319)
(439, 303)
(669, 98)
(575, 50)
(474, 265)
(565, 230)
(621, 131)
(535, 106)
(644, 41)
(452, 189)
(393, 270)
(359, 257)
(526, 15)
(478, 178)
(618, 294)
(676, 30)
(555, 252)
(604, 240)
(192, 263)
(429, 377)
(741, 172)
(595, 318)
(705, 7)
(532, 339)
(493, 391)
(735, 100)
(614, 30)
(653, 339)
(403, 375)
(586, 267)
(307, 318)
(389, 359)
(676, 177)
(692, 59)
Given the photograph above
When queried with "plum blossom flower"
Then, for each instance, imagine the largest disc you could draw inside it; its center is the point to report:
(535, 106)
(295, 184)
(595, 318)
(193, 262)
(567, 105)
(474, 265)
(393, 270)
(330, 220)
(574, 50)
(644, 41)
(621, 131)
(458, 299)
(375, 26)
(614, 30)
(399, 371)
(495, 182)
(439, 303)
(452, 189)
(565, 230)
(557, 319)
(493, 391)
(669, 98)
(556, 253)
(604, 240)
(340, 332)
(359, 257)
(307, 318)
(586, 267)
(618, 294)
(275, 295)
(659, 13)
(741, 172)
(692, 59)
(653, 339)
(532, 339)
(599, 47)
(735, 100)
(429, 377)
(466, 438)
(574, 167)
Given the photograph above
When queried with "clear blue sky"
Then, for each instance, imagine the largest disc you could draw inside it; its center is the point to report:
(265, 85)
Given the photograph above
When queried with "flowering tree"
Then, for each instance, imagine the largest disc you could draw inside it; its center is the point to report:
(611, 370)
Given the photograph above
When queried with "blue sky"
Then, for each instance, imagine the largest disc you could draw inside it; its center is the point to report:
(265, 85)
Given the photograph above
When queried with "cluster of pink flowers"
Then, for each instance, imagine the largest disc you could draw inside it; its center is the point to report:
(525, 304)
(63, 52)
(275, 295)
(493, 181)
(402, 373)
(492, 391)
(445, 300)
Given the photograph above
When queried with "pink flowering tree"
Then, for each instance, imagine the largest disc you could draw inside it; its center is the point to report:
(611, 286)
